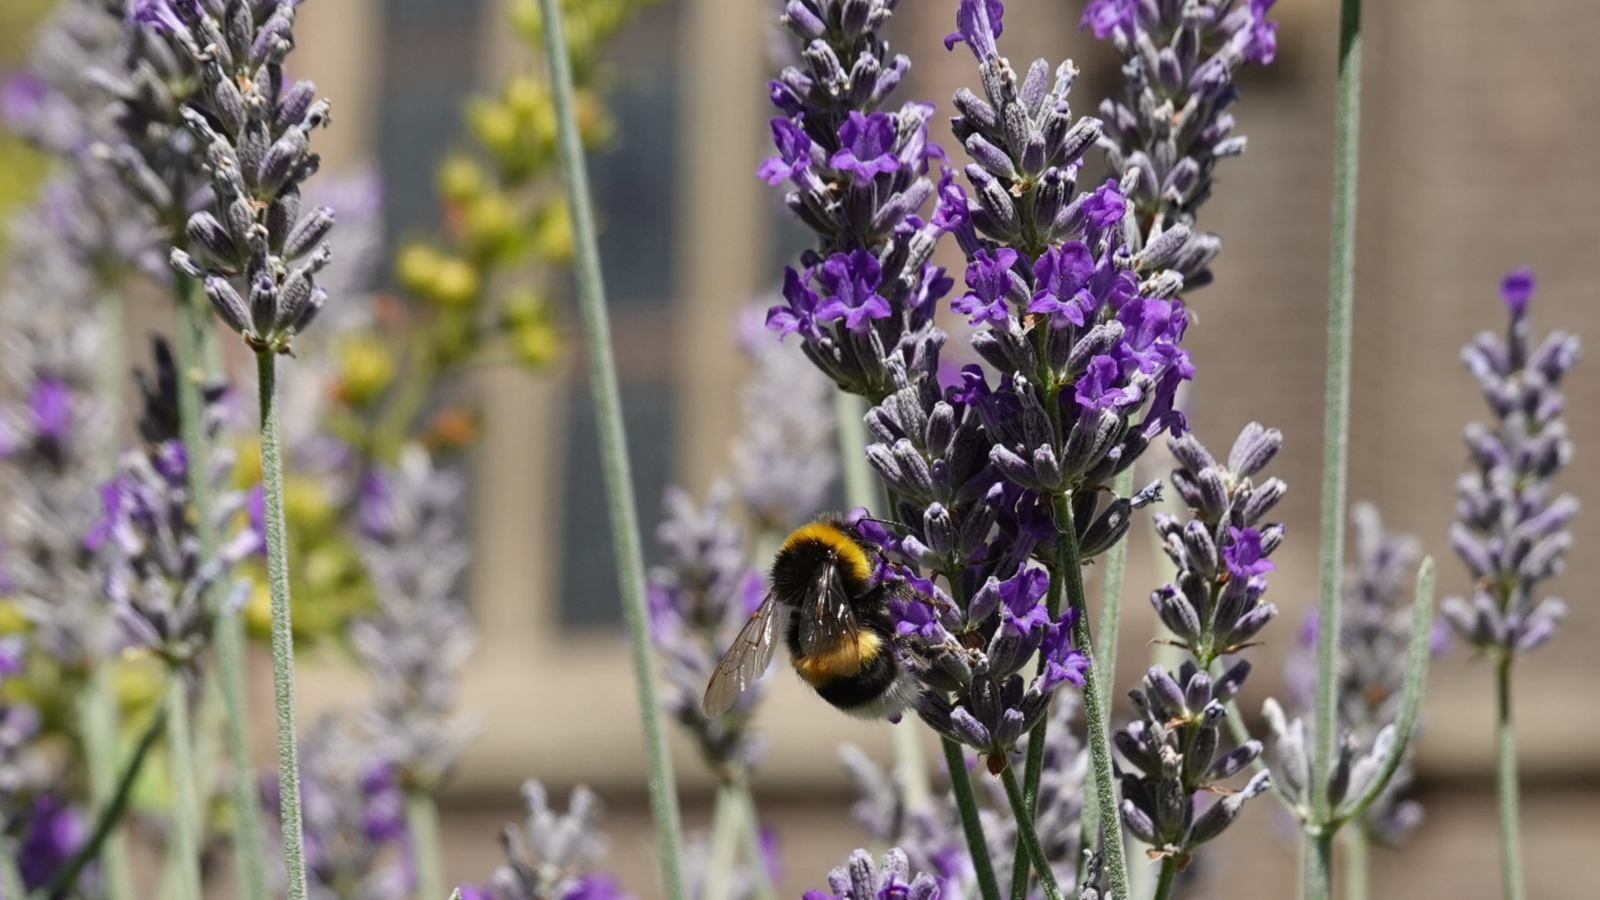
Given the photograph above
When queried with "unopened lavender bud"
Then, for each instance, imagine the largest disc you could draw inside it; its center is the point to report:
(1077, 141)
(1176, 613)
(1215, 820)
(1190, 453)
(1138, 823)
(1161, 252)
(1097, 341)
(228, 304)
(1263, 498)
(1201, 549)
(206, 233)
(307, 235)
(940, 530)
(977, 111)
(1108, 528)
(1235, 761)
(913, 468)
(1254, 449)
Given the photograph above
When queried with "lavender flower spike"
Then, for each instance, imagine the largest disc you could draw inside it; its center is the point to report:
(1511, 526)
(554, 855)
(1376, 630)
(699, 599)
(255, 252)
(415, 547)
(1171, 125)
(863, 301)
(862, 879)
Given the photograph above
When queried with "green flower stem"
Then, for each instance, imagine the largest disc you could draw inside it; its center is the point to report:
(911, 766)
(760, 878)
(1506, 783)
(1105, 785)
(228, 630)
(1114, 568)
(613, 449)
(422, 825)
(1357, 876)
(1318, 863)
(971, 825)
(282, 631)
(101, 729)
(10, 878)
(1169, 877)
(724, 852)
(67, 876)
(1335, 440)
(1114, 573)
(185, 798)
(1027, 838)
(1033, 766)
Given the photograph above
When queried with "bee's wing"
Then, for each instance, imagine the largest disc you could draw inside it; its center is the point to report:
(744, 662)
(828, 624)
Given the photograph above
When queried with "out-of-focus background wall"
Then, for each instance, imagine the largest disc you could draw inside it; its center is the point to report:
(1478, 134)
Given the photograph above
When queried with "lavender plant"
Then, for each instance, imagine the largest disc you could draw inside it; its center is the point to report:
(1372, 651)
(1172, 126)
(1511, 525)
(1214, 608)
(862, 879)
(553, 856)
(417, 642)
(251, 128)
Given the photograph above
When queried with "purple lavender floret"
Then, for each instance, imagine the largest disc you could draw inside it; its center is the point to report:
(54, 831)
(356, 843)
(1511, 526)
(863, 301)
(1164, 136)
(862, 879)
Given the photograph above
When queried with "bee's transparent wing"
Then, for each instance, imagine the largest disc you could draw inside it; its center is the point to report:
(828, 624)
(744, 662)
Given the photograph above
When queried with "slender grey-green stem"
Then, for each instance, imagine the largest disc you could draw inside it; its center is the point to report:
(227, 630)
(1027, 838)
(101, 727)
(1336, 421)
(1357, 875)
(185, 799)
(282, 630)
(1113, 573)
(10, 877)
(724, 851)
(106, 820)
(1100, 765)
(1167, 878)
(1505, 746)
(911, 767)
(971, 825)
(422, 827)
(613, 449)
(1114, 567)
(760, 878)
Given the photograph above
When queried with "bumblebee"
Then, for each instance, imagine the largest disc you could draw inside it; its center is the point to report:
(835, 621)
